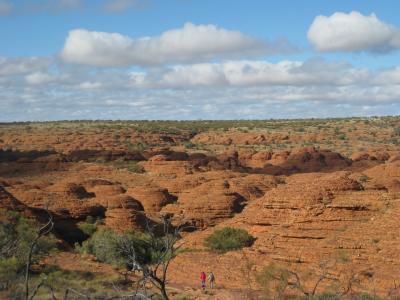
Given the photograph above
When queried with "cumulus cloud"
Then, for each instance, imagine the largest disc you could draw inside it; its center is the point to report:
(6, 7)
(256, 73)
(353, 32)
(187, 44)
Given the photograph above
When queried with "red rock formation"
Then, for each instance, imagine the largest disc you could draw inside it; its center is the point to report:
(153, 199)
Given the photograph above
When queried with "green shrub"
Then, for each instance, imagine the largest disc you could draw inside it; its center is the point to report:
(366, 296)
(103, 245)
(107, 246)
(9, 268)
(89, 226)
(228, 239)
(364, 178)
(189, 145)
(134, 167)
(136, 147)
(16, 236)
(130, 165)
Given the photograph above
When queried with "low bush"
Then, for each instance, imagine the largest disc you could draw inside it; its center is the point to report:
(366, 296)
(89, 226)
(16, 236)
(227, 239)
(364, 178)
(108, 246)
(130, 165)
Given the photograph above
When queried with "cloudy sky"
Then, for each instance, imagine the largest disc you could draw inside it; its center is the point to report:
(198, 59)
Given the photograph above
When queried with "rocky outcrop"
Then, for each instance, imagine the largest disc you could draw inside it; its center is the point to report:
(300, 160)
(206, 205)
(385, 176)
(153, 199)
(107, 190)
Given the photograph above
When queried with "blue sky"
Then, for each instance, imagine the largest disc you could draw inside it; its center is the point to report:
(192, 59)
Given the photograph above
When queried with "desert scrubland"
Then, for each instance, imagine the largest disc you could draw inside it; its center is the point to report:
(319, 197)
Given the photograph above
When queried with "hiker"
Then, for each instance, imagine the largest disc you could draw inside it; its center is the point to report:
(203, 280)
(211, 279)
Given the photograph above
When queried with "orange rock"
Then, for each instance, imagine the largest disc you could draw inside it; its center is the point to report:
(152, 198)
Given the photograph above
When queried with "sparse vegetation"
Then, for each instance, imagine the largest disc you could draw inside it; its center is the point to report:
(105, 244)
(16, 236)
(148, 253)
(129, 165)
(22, 244)
(89, 226)
(364, 178)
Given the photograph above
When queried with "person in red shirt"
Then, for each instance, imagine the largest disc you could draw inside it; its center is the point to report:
(203, 280)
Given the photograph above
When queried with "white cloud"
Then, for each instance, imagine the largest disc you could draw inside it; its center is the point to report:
(39, 78)
(205, 74)
(52, 103)
(23, 65)
(138, 78)
(88, 85)
(6, 7)
(388, 77)
(353, 32)
(223, 90)
(187, 44)
(258, 73)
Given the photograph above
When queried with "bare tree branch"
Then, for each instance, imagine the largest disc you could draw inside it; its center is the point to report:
(44, 230)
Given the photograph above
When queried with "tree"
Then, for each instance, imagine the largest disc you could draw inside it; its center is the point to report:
(20, 246)
(152, 253)
(43, 231)
(276, 279)
(149, 253)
